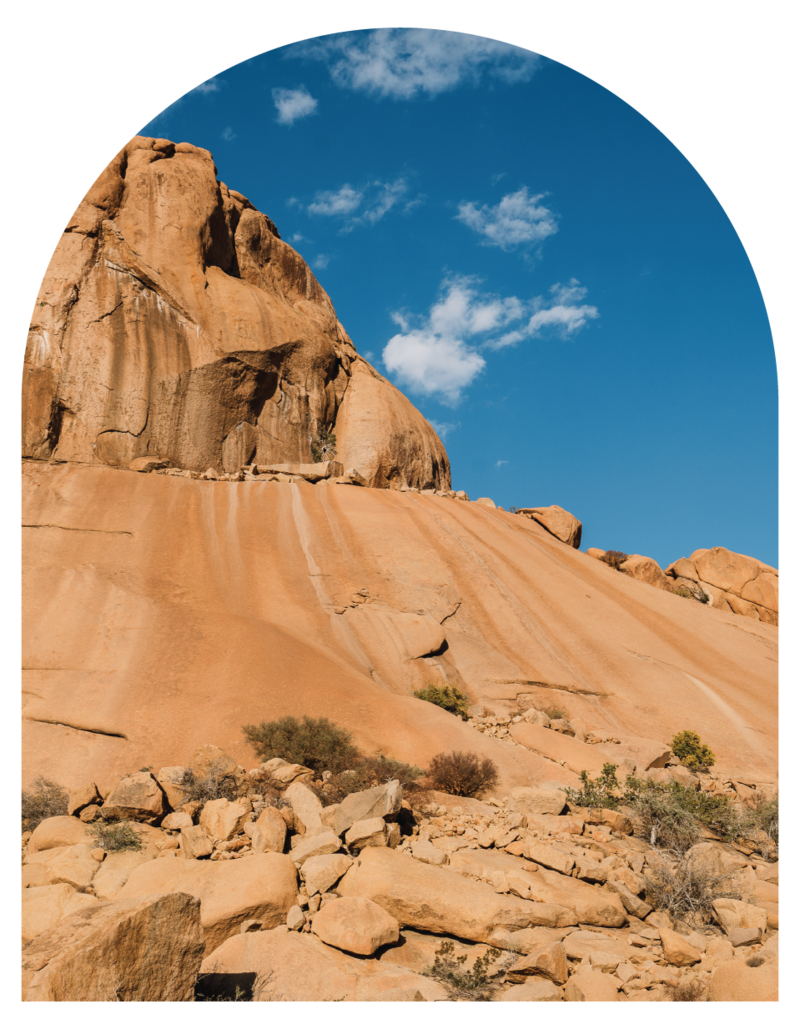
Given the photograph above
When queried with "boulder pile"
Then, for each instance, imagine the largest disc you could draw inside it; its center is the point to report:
(298, 899)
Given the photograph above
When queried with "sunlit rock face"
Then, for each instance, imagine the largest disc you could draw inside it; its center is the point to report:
(173, 321)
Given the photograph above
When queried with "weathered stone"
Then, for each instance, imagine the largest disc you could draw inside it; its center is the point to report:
(645, 569)
(170, 779)
(550, 857)
(537, 990)
(369, 832)
(44, 906)
(424, 850)
(633, 905)
(605, 816)
(322, 872)
(291, 966)
(532, 800)
(592, 986)
(177, 820)
(295, 919)
(58, 831)
(355, 924)
(143, 949)
(584, 944)
(262, 886)
(286, 774)
(195, 842)
(549, 962)
(72, 865)
(223, 819)
(79, 799)
(735, 914)
(486, 502)
(113, 873)
(677, 949)
(744, 937)
(557, 521)
(306, 806)
(314, 846)
(745, 979)
(269, 834)
(137, 797)
(378, 802)
(212, 760)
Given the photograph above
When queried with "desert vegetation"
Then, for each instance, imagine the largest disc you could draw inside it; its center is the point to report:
(462, 774)
(448, 697)
(44, 799)
(615, 558)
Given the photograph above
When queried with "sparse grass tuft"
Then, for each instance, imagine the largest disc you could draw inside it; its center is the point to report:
(466, 983)
(683, 885)
(688, 990)
(614, 558)
(462, 774)
(45, 799)
(217, 783)
(597, 792)
(115, 836)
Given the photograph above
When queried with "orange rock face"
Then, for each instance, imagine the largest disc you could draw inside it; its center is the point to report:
(734, 582)
(173, 322)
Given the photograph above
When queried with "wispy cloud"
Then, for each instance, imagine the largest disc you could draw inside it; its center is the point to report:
(499, 464)
(403, 63)
(228, 134)
(365, 204)
(518, 220)
(443, 429)
(440, 355)
(292, 104)
(209, 86)
(321, 261)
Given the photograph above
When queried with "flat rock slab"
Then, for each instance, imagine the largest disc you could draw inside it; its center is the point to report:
(260, 886)
(355, 924)
(44, 906)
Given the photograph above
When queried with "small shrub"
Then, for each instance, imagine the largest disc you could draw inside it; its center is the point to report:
(688, 990)
(316, 743)
(217, 783)
(323, 446)
(45, 799)
(660, 818)
(115, 836)
(755, 961)
(554, 712)
(466, 983)
(368, 772)
(691, 752)
(614, 558)
(462, 774)
(448, 697)
(684, 886)
(761, 825)
(597, 792)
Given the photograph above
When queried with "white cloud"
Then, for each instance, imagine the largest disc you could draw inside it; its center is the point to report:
(228, 134)
(372, 201)
(292, 104)
(499, 464)
(297, 238)
(322, 261)
(517, 220)
(439, 355)
(442, 429)
(210, 84)
(401, 63)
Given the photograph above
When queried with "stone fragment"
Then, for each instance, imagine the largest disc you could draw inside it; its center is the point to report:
(592, 986)
(295, 919)
(355, 924)
(424, 850)
(677, 949)
(605, 816)
(195, 842)
(557, 521)
(532, 800)
(735, 914)
(143, 949)
(269, 832)
(112, 875)
(44, 906)
(223, 819)
(212, 760)
(261, 886)
(58, 831)
(369, 832)
(306, 807)
(550, 857)
(137, 797)
(633, 905)
(323, 872)
(170, 779)
(378, 802)
(486, 502)
(177, 820)
(533, 990)
(549, 962)
(79, 799)
(645, 569)
(72, 865)
(314, 846)
(744, 937)
(286, 774)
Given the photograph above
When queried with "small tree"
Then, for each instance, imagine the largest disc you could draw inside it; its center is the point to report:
(614, 558)
(691, 752)
(323, 446)
(462, 774)
(448, 697)
(597, 792)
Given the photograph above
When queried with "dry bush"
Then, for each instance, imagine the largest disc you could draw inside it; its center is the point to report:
(688, 990)
(614, 558)
(368, 772)
(217, 783)
(462, 774)
(463, 983)
(45, 799)
(115, 836)
(684, 886)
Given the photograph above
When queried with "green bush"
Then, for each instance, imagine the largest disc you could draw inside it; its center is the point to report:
(323, 446)
(597, 792)
(316, 743)
(115, 836)
(466, 983)
(448, 697)
(368, 772)
(461, 774)
(614, 558)
(761, 825)
(45, 799)
(691, 752)
(661, 818)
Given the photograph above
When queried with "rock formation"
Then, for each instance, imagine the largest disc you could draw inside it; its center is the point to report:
(174, 323)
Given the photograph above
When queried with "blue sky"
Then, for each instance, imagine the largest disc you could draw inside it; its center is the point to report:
(532, 262)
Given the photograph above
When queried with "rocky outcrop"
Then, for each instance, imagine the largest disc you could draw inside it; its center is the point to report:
(174, 324)
(734, 582)
(563, 525)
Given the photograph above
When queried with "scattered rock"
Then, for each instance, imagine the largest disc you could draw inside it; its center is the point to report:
(557, 521)
(136, 797)
(355, 924)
